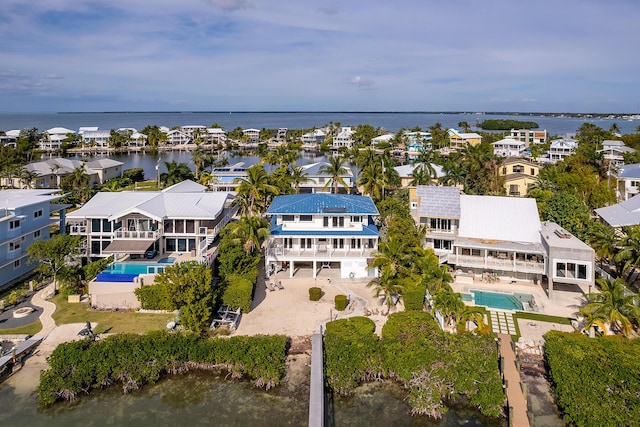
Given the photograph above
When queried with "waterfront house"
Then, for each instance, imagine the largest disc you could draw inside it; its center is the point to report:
(621, 214)
(183, 218)
(253, 135)
(96, 138)
(416, 143)
(322, 231)
(9, 139)
(509, 147)
(458, 141)
(320, 182)
(628, 178)
(529, 136)
(137, 139)
(561, 148)
(382, 139)
(281, 135)
(53, 138)
(344, 138)
(614, 151)
(25, 217)
(406, 172)
(223, 178)
(312, 140)
(177, 137)
(216, 135)
(50, 173)
(519, 175)
(500, 238)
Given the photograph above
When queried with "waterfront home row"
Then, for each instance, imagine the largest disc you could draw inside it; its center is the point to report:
(25, 217)
(51, 172)
(489, 237)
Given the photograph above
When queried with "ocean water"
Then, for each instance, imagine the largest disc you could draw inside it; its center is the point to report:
(292, 120)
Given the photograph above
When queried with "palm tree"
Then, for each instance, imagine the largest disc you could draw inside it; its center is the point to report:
(200, 160)
(371, 180)
(454, 173)
(27, 177)
(448, 303)
(614, 307)
(472, 314)
(629, 252)
(250, 231)
(299, 176)
(336, 169)
(176, 172)
(604, 240)
(254, 191)
(390, 286)
(393, 257)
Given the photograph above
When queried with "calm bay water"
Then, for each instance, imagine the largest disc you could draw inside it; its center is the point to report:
(204, 399)
(390, 121)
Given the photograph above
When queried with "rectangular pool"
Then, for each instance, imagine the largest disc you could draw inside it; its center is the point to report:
(128, 271)
(500, 300)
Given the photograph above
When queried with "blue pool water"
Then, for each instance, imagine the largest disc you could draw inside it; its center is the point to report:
(166, 260)
(128, 271)
(500, 300)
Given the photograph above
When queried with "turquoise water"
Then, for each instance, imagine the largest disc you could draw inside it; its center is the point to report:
(133, 268)
(166, 260)
(499, 300)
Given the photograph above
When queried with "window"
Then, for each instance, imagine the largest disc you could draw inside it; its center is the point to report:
(36, 234)
(582, 271)
(356, 219)
(14, 224)
(16, 263)
(572, 270)
(325, 221)
(306, 218)
(95, 225)
(305, 243)
(338, 243)
(106, 225)
(518, 169)
(37, 214)
(288, 218)
(561, 268)
(504, 170)
(14, 246)
(441, 224)
(513, 190)
(355, 243)
(442, 244)
(287, 243)
(533, 172)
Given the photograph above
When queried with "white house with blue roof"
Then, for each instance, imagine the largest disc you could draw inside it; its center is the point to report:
(628, 177)
(322, 231)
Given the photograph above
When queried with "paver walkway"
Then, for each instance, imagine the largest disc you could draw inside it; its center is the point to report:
(502, 322)
(514, 389)
(39, 300)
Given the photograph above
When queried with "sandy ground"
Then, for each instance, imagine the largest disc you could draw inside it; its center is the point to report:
(535, 330)
(290, 312)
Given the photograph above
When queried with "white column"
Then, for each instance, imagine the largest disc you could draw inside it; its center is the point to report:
(315, 269)
(291, 267)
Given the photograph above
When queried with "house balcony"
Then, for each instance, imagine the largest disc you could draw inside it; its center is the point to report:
(491, 263)
(121, 234)
(319, 252)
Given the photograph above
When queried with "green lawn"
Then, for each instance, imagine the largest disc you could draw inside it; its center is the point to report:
(150, 185)
(108, 321)
(31, 329)
(542, 317)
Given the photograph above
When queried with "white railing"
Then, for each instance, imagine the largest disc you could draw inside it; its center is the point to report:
(496, 263)
(320, 251)
(141, 235)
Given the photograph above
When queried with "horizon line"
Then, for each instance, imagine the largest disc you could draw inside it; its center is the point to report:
(512, 113)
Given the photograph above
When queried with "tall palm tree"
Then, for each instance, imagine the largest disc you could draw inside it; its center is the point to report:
(200, 160)
(250, 231)
(393, 257)
(336, 169)
(176, 172)
(372, 180)
(454, 173)
(299, 176)
(472, 314)
(604, 240)
(390, 286)
(254, 192)
(629, 252)
(614, 307)
(27, 177)
(448, 303)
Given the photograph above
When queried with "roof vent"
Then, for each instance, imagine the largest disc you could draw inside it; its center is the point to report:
(334, 210)
(562, 234)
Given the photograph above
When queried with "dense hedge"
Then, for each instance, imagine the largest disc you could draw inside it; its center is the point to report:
(499, 124)
(413, 296)
(596, 381)
(132, 360)
(434, 366)
(154, 297)
(239, 291)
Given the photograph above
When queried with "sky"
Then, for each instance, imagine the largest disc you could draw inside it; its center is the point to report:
(308, 55)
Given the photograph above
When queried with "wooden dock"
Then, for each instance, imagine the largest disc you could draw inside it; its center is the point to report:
(515, 398)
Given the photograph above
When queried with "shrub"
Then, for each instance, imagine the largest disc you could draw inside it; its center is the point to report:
(92, 269)
(413, 297)
(135, 174)
(154, 297)
(341, 302)
(238, 292)
(315, 293)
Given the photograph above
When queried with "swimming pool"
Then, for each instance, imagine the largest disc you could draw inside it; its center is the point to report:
(500, 300)
(128, 271)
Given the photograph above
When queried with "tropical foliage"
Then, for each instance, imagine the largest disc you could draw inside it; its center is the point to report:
(614, 307)
(596, 382)
(133, 360)
(434, 366)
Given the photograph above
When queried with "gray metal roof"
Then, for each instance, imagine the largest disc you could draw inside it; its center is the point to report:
(622, 214)
(558, 237)
(438, 202)
(629, 171)
(14, 198)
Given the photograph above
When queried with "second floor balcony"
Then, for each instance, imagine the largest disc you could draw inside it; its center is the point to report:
(497, 263)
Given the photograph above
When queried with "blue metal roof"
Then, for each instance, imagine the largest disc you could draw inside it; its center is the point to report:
(322, 203)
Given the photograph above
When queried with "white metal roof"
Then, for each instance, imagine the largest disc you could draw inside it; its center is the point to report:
(499, 218)
(14, 198)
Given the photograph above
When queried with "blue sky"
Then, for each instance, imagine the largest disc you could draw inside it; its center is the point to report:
(308, 55)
